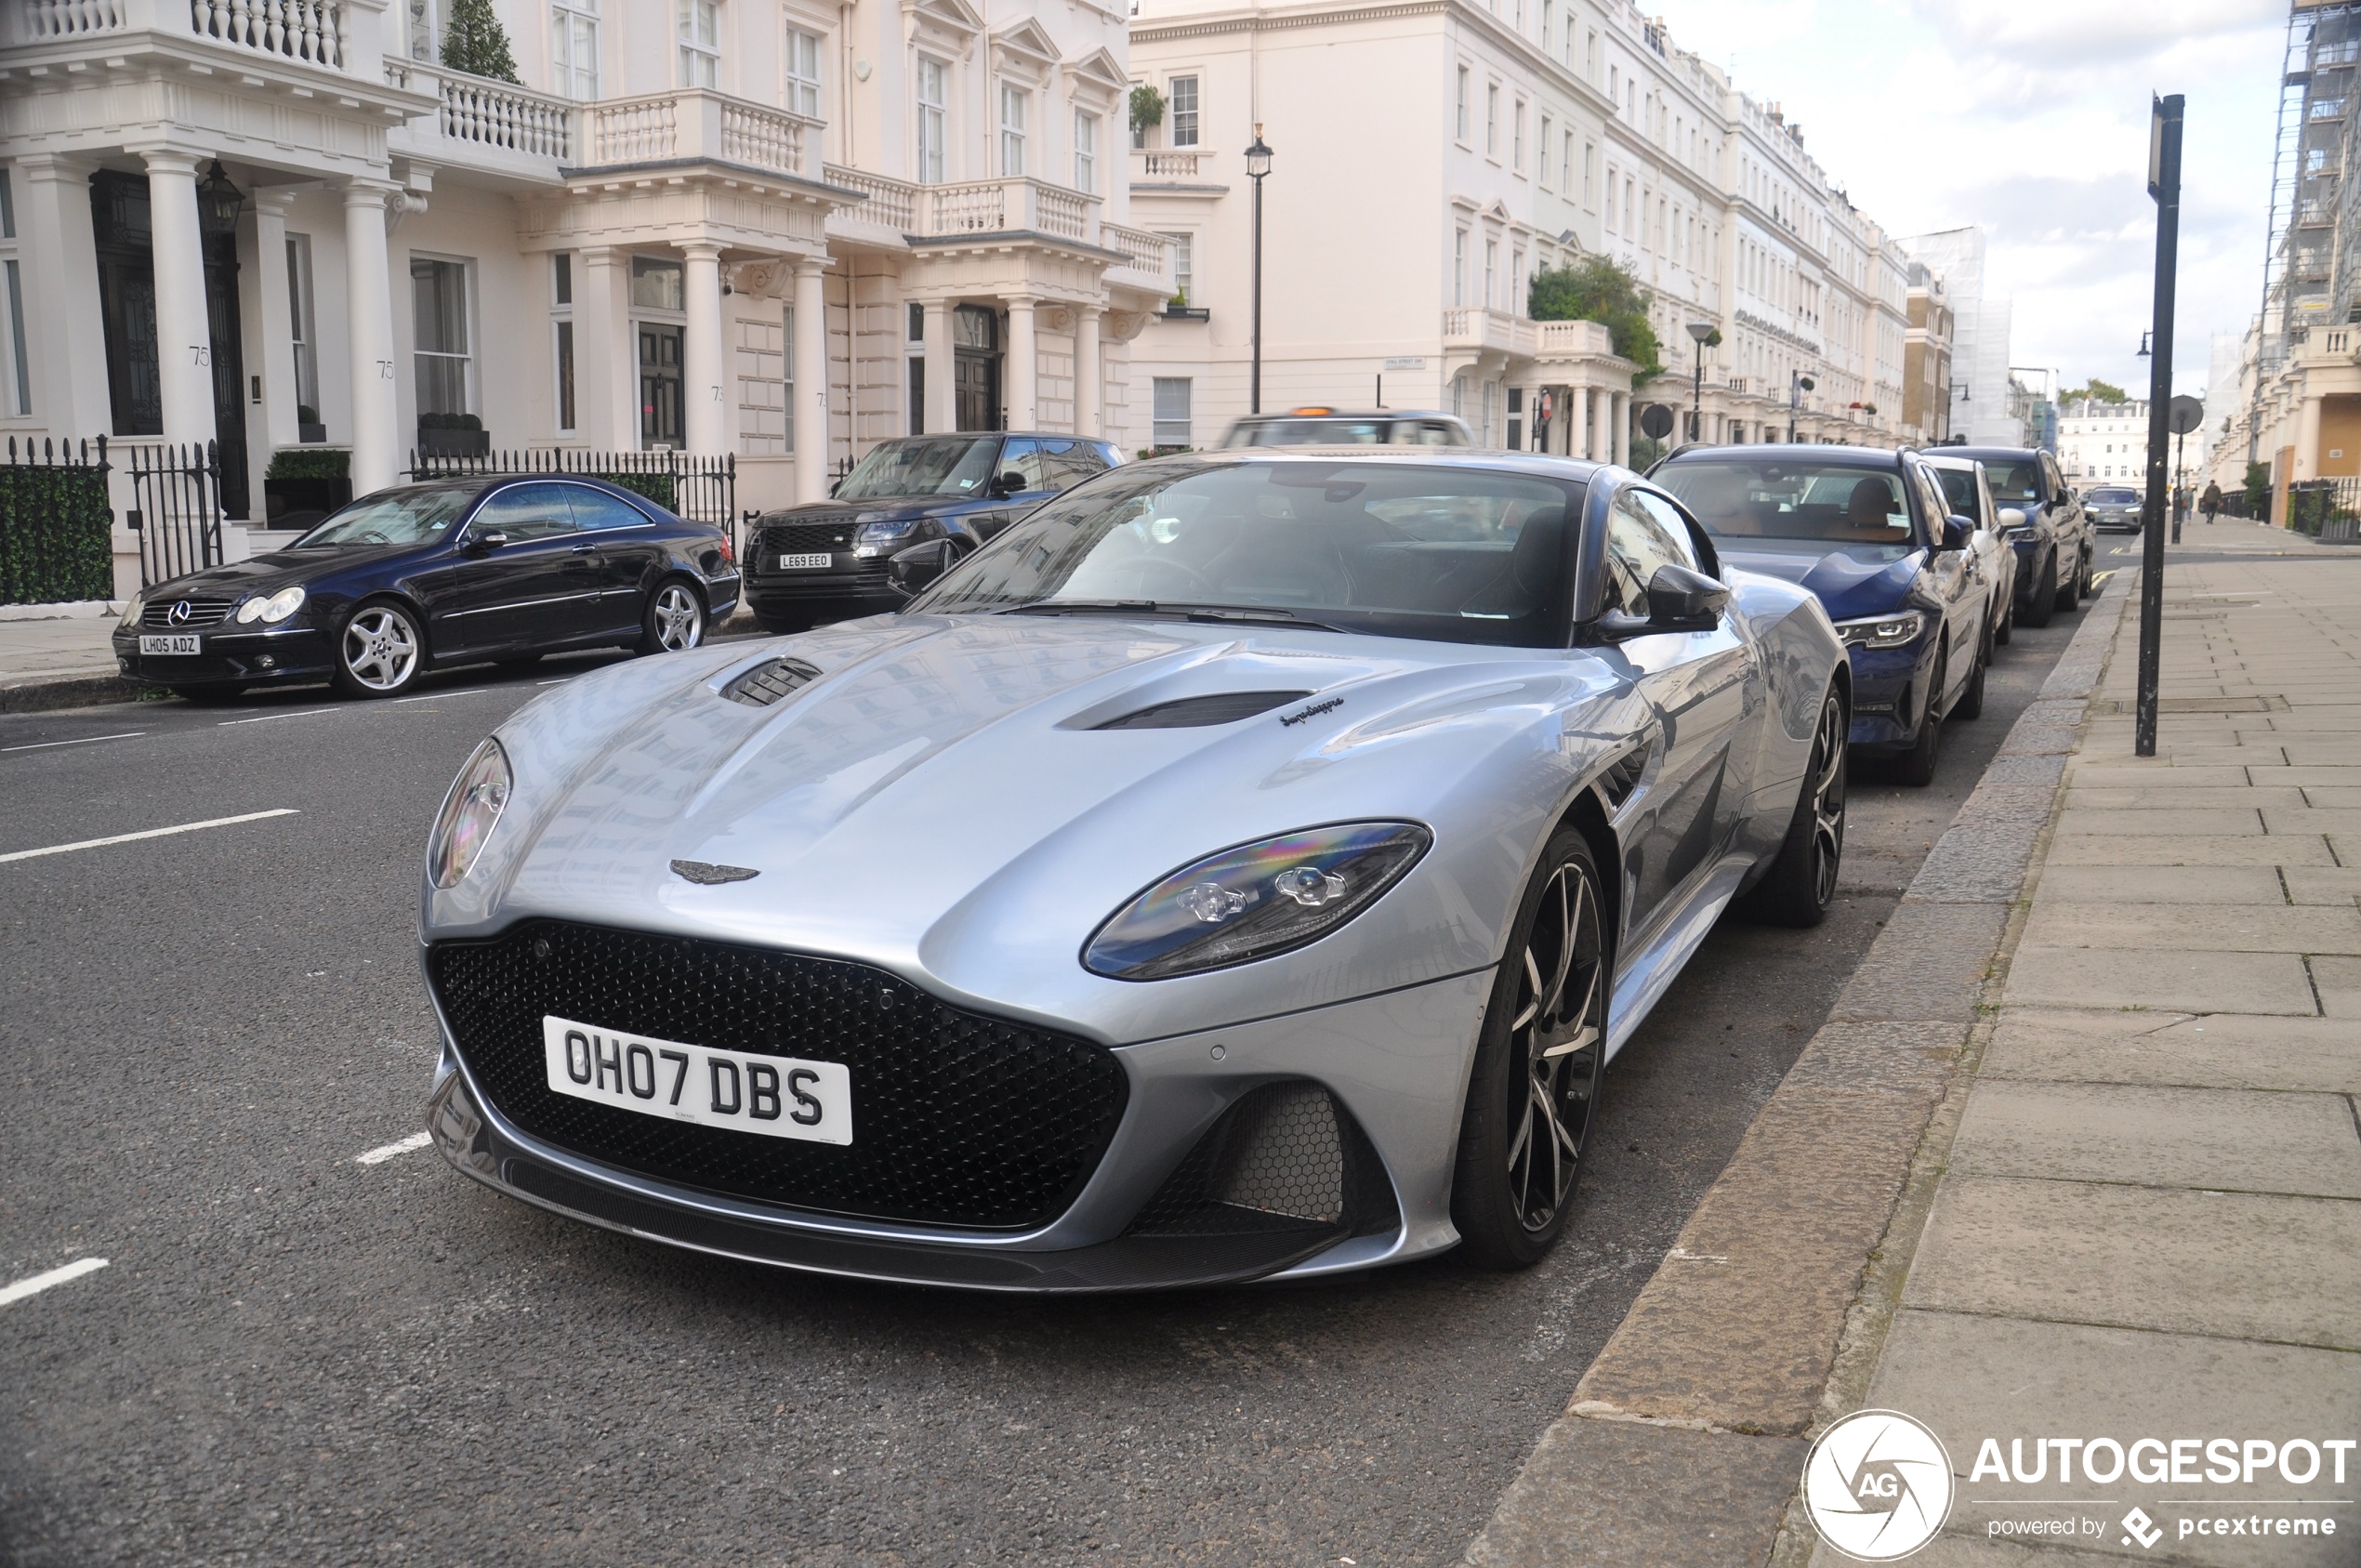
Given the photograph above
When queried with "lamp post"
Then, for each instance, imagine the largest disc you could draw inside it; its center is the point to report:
(1798, 384)
(1258, 165)
(1698, 332)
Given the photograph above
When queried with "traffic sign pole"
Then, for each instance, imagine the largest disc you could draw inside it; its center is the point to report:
(2164, 185)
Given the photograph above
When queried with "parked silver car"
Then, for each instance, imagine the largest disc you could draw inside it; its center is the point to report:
(1994, 559)
(1245, 864)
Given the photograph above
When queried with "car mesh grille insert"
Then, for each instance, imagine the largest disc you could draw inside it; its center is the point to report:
(769, 682)
(957, 1119)
(806, 538)
(1188, 713)
(1286, 1156)
(157, 613)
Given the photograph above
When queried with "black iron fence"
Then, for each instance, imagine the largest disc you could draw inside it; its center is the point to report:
(701, 489)
(2326, 509)
(176, 493)
(57, 534)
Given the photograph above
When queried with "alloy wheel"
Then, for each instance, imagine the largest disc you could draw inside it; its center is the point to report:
(380, 648)
(1828, 798)
(1558, 1034)
(677, 619)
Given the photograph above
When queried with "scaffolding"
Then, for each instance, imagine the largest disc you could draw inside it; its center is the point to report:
(2312, 261)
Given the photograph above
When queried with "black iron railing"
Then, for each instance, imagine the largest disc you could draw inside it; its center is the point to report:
(176, 489)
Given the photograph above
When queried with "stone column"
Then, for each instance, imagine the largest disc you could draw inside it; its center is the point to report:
(2307, 443)
(942, 412)
(606, 381)
(707, 425)
(65, 332)
(1089, 378)
(810, 354)
(368, 324)
(1583, 397)
(275, 325)
(184, 333)
(1619, 427)
(1020, 394)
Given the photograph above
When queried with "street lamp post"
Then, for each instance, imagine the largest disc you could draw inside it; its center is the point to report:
(1798, 384)
(1698, 332)
(1258, 165)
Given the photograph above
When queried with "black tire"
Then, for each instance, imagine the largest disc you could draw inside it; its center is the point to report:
(380, 650)
(1801, 882)
(1917, 766)
(2008, 627)
(673, 621)
(1538, 1062)
(1970, 703)
(2044, 603)
(2070, 585)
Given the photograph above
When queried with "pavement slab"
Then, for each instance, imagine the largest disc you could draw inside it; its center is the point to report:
(2224, 1139)
(2170, 979)
(2246, 927)
(2309, 884)
(2079, 821)
(2256, 849)
(2215, 1050)
(2164, 884)
(2337, 981)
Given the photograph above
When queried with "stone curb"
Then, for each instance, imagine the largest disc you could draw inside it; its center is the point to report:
(1684, 1438)
(45, 693)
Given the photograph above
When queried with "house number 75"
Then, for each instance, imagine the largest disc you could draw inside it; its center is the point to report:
(200, 353)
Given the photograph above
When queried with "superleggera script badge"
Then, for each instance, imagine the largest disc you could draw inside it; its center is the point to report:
(1315, 711)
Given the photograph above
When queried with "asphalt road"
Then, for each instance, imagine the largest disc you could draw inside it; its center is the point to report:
(296, 1358)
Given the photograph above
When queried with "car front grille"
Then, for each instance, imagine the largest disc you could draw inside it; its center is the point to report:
(806, 538)
(157, 614)
(957, 1118)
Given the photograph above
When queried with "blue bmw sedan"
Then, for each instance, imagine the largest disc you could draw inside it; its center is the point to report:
(500, 568)
(1870, 533)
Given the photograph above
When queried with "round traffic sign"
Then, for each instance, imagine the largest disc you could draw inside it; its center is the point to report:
(1656, 421)
(2185, 413)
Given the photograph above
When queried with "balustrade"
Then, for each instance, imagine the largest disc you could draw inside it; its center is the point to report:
(312, 30)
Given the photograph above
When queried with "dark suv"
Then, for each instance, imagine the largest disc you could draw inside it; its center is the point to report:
(828, 561)
(2056, 548)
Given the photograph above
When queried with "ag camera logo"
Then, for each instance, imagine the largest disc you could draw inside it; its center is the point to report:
(1877, 1485)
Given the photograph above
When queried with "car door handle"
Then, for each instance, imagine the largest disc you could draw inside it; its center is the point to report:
(585, 550)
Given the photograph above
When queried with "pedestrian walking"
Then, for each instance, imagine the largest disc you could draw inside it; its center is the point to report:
(2211, 502)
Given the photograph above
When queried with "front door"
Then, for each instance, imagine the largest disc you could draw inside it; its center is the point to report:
(975, 339)
(661, 421)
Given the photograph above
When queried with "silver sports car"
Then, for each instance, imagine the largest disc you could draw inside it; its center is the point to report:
(1244, 865)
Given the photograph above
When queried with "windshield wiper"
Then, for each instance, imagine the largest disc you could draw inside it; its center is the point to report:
(1167, 609)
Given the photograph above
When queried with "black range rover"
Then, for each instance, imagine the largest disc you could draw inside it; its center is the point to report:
(828, 561)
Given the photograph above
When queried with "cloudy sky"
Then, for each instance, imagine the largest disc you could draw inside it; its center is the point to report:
(2031, 119)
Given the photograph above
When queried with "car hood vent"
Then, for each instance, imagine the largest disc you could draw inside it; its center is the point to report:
(1191, 713)
(769, 680)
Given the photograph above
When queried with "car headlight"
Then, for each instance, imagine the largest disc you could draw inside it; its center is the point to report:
(872, 539)
(1255, 901)
(271, 610)
(132, 611)
(470, 813)
(1882, 631)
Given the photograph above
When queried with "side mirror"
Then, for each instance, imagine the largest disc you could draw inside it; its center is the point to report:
(910, 569)
(1010, 482)
(1680, 600)
(484, 542)
(1957, 531)
(2013, 517)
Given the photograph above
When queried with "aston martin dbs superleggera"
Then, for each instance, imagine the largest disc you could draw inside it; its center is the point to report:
(1244, 865)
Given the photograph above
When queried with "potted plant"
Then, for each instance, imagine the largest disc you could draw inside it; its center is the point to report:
(304, 484)
(453, 435)
(309, 428)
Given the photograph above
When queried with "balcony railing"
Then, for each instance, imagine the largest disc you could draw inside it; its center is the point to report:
(1149, 254)
(1167, 165)
(693, 123)
(497, 116)
(889, 203)
(308, 31)
(988, 206)
(1477, 326)
(1569, 338)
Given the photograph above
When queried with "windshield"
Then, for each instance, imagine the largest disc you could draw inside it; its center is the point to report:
(1450, 554)
(1309, 432)
(1783, 505)
(947, 465)
(1959, 491)
(2013, 482)
(2115, 497)
(415, 515)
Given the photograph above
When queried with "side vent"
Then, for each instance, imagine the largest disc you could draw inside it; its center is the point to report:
(1623, 776)
(1190, 713)
(767, 683)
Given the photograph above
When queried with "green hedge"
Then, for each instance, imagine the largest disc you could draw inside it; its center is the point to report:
(310, 462)
(655, 487)
(57, 539)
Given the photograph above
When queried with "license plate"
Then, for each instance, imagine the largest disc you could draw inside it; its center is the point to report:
(178, 643)
(806, 562)
(770, 1096)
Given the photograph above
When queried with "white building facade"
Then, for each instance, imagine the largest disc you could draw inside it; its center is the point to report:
(2105, 443)
(769, 228)
(1519, 135)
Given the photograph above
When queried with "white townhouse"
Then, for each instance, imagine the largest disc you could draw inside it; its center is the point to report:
(779, 228)
(2103, 442)
(1429, 156)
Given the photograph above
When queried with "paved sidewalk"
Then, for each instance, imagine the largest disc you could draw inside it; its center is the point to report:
(2150, 1220)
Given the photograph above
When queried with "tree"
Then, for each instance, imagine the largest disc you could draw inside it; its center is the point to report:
(2257, 490)
(1147, 107)
(2097, 391)
(475, 41)
(1595, 289)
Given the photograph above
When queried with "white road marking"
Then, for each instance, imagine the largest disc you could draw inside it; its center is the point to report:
(151, 833)
(560, 681)
(264, 717)
(86, 739)
(378, 1157)
(10, 1295)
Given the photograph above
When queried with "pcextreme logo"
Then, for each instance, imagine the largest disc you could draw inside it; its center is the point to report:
(1877, 1485)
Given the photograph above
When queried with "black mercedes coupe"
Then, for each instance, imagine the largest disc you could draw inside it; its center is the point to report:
(501, 568)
